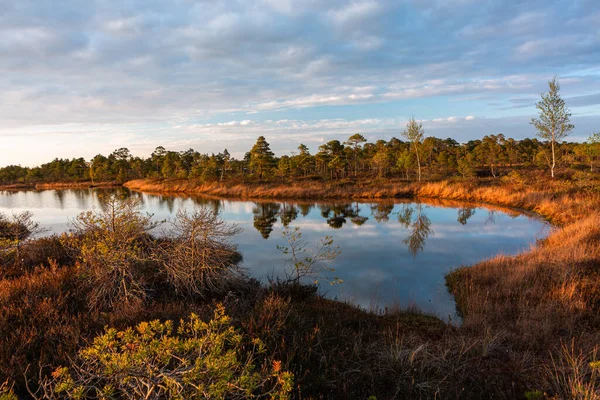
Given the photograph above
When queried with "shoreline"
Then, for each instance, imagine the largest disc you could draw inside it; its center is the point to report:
(557, 209)
(432, 201)
(555, 206)
(59, 185)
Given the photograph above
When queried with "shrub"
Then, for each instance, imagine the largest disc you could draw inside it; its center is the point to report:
(14, 232)
(6, 392)
(514, 179)
(574, 374)
(200, 257)
(308, 261)
(114, 249)
(39, 321)
(155, 360)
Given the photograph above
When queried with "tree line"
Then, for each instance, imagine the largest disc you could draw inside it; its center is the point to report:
(429, 157)
(417, 156)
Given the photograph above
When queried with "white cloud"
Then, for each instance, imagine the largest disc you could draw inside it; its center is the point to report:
(142, 68)
(355, 12)
(123, 26)
(368, 43)
(282, 6)
(26, 38)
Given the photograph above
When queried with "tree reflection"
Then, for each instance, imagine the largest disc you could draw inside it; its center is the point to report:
(336, 214)
(168, 202)
(358, 219)
(214, 204)
(288, 214)
(82, 197)
(405, 215)
(104, 196)
(305, 209)
(419, 228)
(464, 214)
(381, 211)
(60, 198)
(265, 216)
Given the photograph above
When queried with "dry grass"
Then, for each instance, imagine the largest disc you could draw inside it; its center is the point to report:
(76, 185)
(558, 200)
(59, 185)
(517, 311)
(551, 290)
(39, 321)
(290, 190)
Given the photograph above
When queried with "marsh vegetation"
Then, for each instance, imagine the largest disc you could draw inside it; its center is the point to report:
(112, 309)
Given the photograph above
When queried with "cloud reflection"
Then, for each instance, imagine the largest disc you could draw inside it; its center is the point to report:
(389, 255)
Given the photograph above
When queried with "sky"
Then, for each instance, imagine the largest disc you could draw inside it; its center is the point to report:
(81, 78)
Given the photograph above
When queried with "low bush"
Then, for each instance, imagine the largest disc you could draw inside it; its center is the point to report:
(200, 259)
(42, 320)
(195, 360)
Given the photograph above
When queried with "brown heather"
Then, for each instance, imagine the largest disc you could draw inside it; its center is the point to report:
(531, 323)
(526, 307)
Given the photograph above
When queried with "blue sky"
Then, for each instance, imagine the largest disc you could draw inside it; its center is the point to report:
(81, 78)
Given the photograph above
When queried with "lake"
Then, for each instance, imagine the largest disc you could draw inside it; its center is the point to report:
(393, 254)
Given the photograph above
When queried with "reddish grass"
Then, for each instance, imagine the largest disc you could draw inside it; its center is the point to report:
(522, 309)
(519, 313)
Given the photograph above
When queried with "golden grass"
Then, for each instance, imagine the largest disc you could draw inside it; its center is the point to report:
(528, 305)
(559, 201)
(287, 190)
(518, 312)
(75, 185)
(59, 185)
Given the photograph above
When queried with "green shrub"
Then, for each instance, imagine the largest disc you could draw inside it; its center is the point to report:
(514, 179)
(6, 392)
(534, 395)
(197, 360)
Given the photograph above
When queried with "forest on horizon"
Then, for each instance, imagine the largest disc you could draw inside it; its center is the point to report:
(356, 157)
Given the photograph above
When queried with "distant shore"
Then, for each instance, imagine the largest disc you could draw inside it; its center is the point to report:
(60, 185)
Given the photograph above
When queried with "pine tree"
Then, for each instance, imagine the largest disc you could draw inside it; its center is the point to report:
(355, 141)
(262, 158)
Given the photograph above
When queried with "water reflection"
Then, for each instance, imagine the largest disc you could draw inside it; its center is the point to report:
(381, 211)
(336, 214)
(60, 198)
(358, 219)
(392, 252)
(492, 217)
(419, 231)
(265, 216)
(288, 214)
(464, 213)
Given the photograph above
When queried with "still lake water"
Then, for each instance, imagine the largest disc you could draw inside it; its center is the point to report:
(392, 253)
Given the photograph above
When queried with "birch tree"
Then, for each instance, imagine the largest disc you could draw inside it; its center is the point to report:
(415, 133)
(554, 122)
